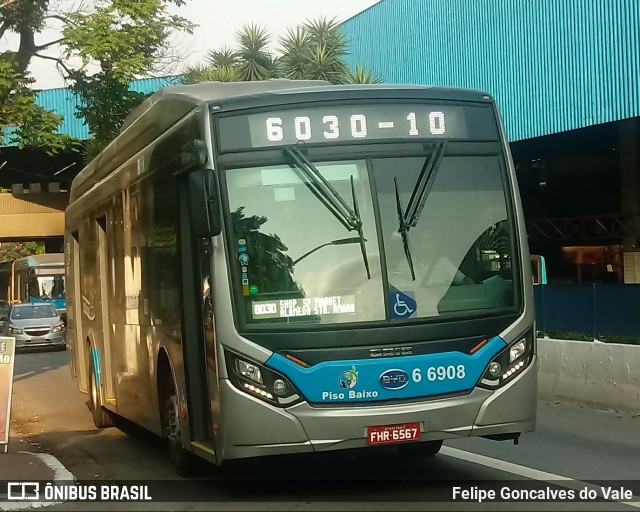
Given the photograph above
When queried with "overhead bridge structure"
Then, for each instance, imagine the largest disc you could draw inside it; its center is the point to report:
(32, 216)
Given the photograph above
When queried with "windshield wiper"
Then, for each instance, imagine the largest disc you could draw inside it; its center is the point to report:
(331, 199)
(339, 241)
(410, 217)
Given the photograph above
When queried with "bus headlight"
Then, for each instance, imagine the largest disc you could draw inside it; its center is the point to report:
(249, 371)
(259, 381)
(516, 350)
(508, 363)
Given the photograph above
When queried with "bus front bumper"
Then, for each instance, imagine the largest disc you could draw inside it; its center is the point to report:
(253, 428)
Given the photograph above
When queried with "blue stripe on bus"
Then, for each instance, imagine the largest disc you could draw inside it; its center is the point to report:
(59, 304)
(95, 356)
(365, 380)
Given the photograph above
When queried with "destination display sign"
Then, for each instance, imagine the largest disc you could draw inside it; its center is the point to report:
(355, 123)
(7, 354)
(288, 308)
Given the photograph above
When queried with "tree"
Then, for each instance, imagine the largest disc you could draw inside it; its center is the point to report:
(312, 51)
(127, 39)
(324, 51)
(22, 121)
(361, 75)
(10, 251)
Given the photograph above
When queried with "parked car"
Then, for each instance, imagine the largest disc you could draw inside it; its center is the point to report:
(34, 325)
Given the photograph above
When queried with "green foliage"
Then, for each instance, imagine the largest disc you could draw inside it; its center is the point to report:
(20, 15)
(10, 251)
(254, 61)
(312, 51)
(127, 38)
(225, 58)
(106, 102)
(198, 74)
(360, 75)
(326, 50)
(295, 51)
(22, 121)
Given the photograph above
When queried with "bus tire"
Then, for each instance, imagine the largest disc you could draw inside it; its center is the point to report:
(101, 417)
(183, 461)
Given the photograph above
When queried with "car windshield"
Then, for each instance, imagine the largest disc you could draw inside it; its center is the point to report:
(31, 312)
(295, 262)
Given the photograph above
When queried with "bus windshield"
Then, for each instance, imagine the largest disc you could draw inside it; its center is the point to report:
(295, 262)
(47, 287)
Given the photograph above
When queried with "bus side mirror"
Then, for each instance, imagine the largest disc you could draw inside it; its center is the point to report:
(204, 203)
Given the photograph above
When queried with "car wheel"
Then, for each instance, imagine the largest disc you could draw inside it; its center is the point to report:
(101, 417)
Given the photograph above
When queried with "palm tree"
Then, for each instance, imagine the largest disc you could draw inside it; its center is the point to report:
(255, 62)
(327, 33)
(198, 74)
(361, 75)
(295, 54)
(315, 51)
(312, 51)
(225, 58)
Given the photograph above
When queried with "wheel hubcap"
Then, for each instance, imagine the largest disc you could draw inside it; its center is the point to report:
(173, 424)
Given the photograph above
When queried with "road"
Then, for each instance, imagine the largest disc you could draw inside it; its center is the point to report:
(579, 445)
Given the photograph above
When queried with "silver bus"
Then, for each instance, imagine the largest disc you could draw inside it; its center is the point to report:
(35, 278)
(280, 267)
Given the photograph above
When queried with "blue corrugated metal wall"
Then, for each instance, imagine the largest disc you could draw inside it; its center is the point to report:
(63, 102)
(552, 65)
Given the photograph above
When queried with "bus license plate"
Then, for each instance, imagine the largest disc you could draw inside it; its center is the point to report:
(393, 433)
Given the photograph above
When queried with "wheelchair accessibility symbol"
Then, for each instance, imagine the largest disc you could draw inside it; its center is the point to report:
(402, 305)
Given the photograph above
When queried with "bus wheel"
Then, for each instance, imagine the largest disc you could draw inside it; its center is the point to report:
(183, 461)
(101, 417)
(423, 449)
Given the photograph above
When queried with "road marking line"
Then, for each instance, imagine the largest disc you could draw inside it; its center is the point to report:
(526, 472)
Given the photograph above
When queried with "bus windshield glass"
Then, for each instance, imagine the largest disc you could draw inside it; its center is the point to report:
(297, 262)
(47, 287)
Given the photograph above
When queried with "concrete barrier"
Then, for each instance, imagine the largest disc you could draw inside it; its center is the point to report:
(605, 374)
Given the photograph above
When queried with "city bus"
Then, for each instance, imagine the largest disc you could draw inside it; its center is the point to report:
(538, 269)
(279, 267)
(35, 278)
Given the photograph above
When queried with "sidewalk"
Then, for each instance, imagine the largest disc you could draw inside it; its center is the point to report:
(22, 465)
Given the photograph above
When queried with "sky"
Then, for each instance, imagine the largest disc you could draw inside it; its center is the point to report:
(218, 22)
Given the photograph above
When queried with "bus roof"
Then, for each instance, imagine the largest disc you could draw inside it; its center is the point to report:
(167, 106)
(40, 260)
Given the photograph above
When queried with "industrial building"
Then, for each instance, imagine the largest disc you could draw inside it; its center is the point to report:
(566, 76)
